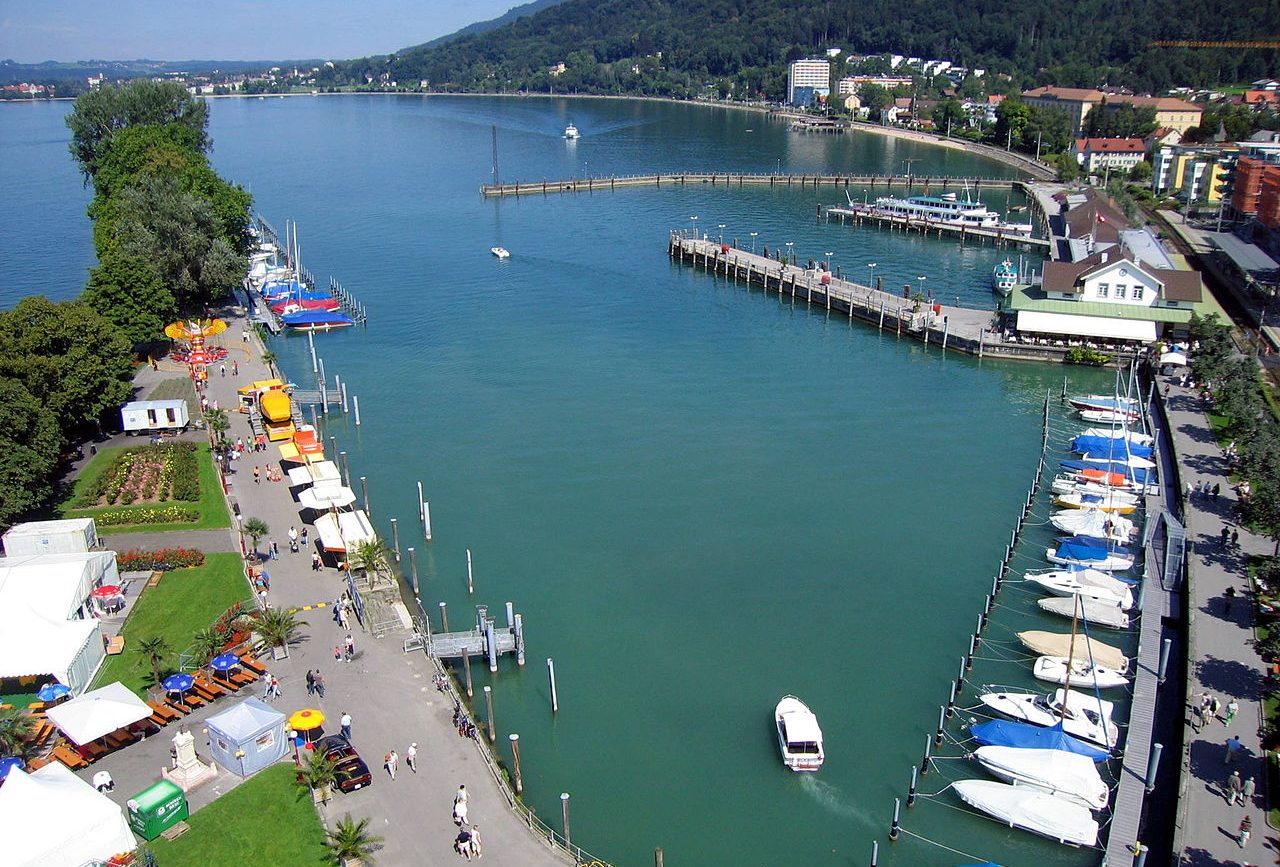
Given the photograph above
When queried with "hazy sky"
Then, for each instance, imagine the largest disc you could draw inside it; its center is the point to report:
(35, 30)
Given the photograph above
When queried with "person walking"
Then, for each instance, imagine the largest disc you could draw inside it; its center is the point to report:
(293, 535)
(1235, 537)
(475, 841)
(223, 368)
(461, 796)
(344, 725)
(1233, 708)
(1247, 792)
(1217, 489)
(319, 683)
(350, 645)
(235, 368)
(244, 335)
(257, 474)
(1228, 596)
(392, 762)
(1214, 706)
(311, 682)
(275, 687)
(1197, 718)
(1235, 788)
(1233, 748)
(1246, 828)
(315, 562)
(275, 550)
(411, 757)
(1226, 534)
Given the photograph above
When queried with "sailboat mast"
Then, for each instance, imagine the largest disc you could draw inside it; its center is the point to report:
(1071, 656)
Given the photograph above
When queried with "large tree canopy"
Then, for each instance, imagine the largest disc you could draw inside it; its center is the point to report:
(99, 114)
(127, 291)
(29, 446)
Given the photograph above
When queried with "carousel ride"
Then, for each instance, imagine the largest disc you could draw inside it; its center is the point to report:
(197, 355)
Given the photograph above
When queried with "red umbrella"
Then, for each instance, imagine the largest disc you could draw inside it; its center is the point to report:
(107, 591)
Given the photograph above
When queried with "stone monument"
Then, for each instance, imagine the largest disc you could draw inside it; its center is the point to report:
(187, 771)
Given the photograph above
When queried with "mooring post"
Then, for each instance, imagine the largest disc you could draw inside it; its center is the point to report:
(1141, 851)
(346, 405)
(951, 702)
(973, 647)
(488, 711)
(420, 501)
(515, 767)
(519, 631)
(875, 853)
(364, 491)
(911, 790)
(551, 675)
(960, 678)
(942, 721)
(311, 342)
(564, 815)
(444, 617)
(466, 671)
(980, 624)
(511, 612)
(471, 587)
(337, 388)
(413, 569)
(492, 641)
(1165, 647)
(355, 403)
(395, 534)
(928, 753)
(1154, 765)
(893, 829)
(657, 857)
(346, 477)
(426, 520)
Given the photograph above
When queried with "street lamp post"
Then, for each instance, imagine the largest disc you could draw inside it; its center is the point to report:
(871, 275)
(693, 223)
(753, 242)
(921, 278)
(830, 267)
(720, 226)
(791, 255)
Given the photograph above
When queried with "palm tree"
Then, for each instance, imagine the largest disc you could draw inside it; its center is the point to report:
(16, 728)
(269, 358)
(255, 529)
(208, 643)
(277, 627)
(319, 775)
(350, 844)
(154, 653)
(368, 556)
(219, 424)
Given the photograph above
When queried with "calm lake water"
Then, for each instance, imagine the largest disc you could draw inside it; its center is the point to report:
(700, 497)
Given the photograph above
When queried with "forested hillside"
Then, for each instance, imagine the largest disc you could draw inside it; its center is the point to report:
(740, 47)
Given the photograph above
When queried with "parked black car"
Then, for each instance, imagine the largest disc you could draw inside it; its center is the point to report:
(351, 770)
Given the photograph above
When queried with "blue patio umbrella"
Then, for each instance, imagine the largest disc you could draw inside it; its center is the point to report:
(178, 683)
(53, 692)
(224, 662)
(8, 763)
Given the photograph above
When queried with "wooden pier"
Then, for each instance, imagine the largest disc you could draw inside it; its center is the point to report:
(730, 179)
(259, 312)
(930, 227)
(486, 639)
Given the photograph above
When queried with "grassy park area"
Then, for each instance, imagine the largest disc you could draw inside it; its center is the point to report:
(267, 819)
(209, 509)
(184, 602)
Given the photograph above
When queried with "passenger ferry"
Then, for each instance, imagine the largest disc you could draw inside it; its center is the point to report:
(947, 209)
(1004, 278)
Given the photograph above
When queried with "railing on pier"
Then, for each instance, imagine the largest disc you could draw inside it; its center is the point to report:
(735, 179)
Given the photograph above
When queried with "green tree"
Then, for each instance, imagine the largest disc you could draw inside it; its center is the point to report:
(70, 358)
(1012, 117)
(154, 653)
(368, 556)
(207, 643)
(99, 114)
(16, 728)
(127, 290)
(255, 529)
(30, 443)
(276, 627)
(350, 841)
(874, 98)
(1141, 172)
(318, 773)
(948, 114)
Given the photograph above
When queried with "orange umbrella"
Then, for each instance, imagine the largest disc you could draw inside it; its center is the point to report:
(307, 722)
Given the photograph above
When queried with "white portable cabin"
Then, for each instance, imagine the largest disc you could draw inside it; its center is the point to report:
(147, 415)
(70, 536)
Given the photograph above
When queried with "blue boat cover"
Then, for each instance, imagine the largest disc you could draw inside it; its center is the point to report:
(1114, 448)
(1006, 733)
(305, 295)
(1091, 542)
(1138, 474)
(308, 317)
(1076, 551)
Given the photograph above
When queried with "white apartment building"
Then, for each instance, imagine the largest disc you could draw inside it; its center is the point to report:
(807, 80)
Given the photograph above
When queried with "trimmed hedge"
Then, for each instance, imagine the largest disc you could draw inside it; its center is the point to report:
(161, 560)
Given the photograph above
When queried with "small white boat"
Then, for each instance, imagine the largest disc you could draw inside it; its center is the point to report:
(1078, 483)
(1054, 670)
(1120, 502)
(1106, 591)
(1085, 649)
(1099, 612)
(1083, 716)
(1103, 402)
(1004, 278)
(799, 736)
(1070, 554)
(1108, 416)
(1119, 433)
(571, 131)
(1085, 576)
(1058, 772)
(1132, 462)
(1095, 523)
(500, 252)
(1031, 810)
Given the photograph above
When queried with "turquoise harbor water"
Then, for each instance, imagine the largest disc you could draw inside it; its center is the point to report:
(699, 496)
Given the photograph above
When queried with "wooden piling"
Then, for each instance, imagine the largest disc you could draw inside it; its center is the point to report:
(466, 671)
(564, 814)
(471, 587)
(444, 616)
(551, 676)
(488, 712)
(413, 570)
(515, 767)
(395, 537)
(426, 520)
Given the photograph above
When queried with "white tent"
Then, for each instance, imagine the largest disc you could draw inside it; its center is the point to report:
(320, 473)
(248, 737)
(342, 531)
(52, 818)
(321, 498)
(98, 713)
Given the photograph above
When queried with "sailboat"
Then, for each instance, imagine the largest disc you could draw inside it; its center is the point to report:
(1095, 523)
(1082, 716)
(1099, 611)
(1094, 553)
(1120, 433)
(1102, 589)
(1085, 649)
(1119, 502)
(1031, 810)
(1105, 446)
(1068, 775)
(1024, 736)
(1054, 669)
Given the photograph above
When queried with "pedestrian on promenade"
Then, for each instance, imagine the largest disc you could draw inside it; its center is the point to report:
(344, 725)
(1233, 708)
(1233, 748)
(1226, 534)
(275, 550)
(235, 368)
(1235, 788)
(303, 537)
(461, 796)
(344, 619)
(1246, 828)
(1235, 537)
(1217, 489)
(350, 644)
(392, 761)
(1197, 718)
(1214, 705)
(244, 335)
(1190, 491)
(319, 683)
(462, 843)
(1249, 788)
(459, 813)
(411, 757)
(475, 841)
(275, 687)
(266, 687)
(257, 474)
(311, 682)
(223, 368)
(315, 562)
(337, 653)
(262, 599)
(1228, 596)
(293, 537)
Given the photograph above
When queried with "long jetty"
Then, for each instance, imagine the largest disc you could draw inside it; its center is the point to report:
(950, 328)
(733, 179)
(998, 237)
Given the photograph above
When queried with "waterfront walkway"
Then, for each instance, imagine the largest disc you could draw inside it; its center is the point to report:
(1221, 656)
(388, 693)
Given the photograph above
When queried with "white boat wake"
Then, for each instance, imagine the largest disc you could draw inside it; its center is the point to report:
(833, 800)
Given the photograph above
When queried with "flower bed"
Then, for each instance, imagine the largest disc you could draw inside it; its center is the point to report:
(148, 515)
(161, 560)
(149, 474)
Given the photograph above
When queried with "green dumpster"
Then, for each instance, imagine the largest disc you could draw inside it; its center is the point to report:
(156, 809)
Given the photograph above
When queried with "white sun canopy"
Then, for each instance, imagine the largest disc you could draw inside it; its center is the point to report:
(342, 531)
(1141, 330)
(325, 497)
(319, 473)
(52, 816)
(98, 713)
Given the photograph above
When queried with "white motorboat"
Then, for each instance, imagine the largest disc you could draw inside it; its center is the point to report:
(1084, 649)
(1120, 502)
(1099, 612)
(1058, 772)
(1103, 590)
(1108, 416)
(1071, 553)
(1093, 402)
(1120, 433)
(947, 209)
(799, 736)
(1031, 810)
(1054, 670)
(1095, 523)
(571, 131)
(500, 252)
(1073, 482)
(1082, 716)
(1132, 461)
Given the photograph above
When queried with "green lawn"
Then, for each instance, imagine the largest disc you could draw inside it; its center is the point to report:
(267, 819)
(184, 602)
(212, 505)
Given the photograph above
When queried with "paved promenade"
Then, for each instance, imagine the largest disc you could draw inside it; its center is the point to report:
(1223, 661)
(388, 693)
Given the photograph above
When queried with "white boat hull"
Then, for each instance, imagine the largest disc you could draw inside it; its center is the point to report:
(1086, 717)
(1110, 563)
(1138, 439)
(1084, 649)
(1093, 522)
(1058, 772)
(799, 736)
(1053, 669)
(1031, 810)
(1065, 584)
(1097, 613)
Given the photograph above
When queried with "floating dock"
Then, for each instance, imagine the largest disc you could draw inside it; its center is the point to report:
(730, 179)
(997, 237)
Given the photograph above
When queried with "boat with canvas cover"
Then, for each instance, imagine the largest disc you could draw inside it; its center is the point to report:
(317, 320)
(1031, 810)
(1103, 402)
(1082, 716)
(1120, 502)
(1054, 670)
(1120, 433)
(1108, 416)
(1074, 482)
(1024, 736)
(1109, 445)
(1067, 775)
(799, 736)
(1095, 523)
(1061, 582)
(1100, 612)
(1086, 649)
(1135, 473)
(1094, 553)
(1096, 476)
(1118, 463)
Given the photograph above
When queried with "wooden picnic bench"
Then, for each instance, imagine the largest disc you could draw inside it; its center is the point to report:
(69, 757)
(92, 751)
(115, 646)
(186, 703)
(165, 712)
(249, 661)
